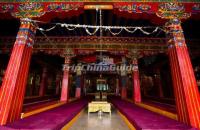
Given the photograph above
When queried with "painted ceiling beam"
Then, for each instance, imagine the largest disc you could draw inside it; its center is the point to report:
(143, 1)
(59, 44)
(35, 9)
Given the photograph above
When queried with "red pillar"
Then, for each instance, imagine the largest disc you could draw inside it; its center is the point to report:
(124, 92)
(83, 85)
(184, 82)
(117, 87)
(78, 88)
(33, 84)
(43, 83)
(81, 81)
(78, 92)
(136, 82)
(120, 86)
(124, 89)
(58, 78)
(157, 82)
(78, 82)
(15, 79)
(65, 82)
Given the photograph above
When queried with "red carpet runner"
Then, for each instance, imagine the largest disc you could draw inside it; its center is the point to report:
(53, 119)
(141, 118)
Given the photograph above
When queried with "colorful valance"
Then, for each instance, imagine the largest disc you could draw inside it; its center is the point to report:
(37, 9)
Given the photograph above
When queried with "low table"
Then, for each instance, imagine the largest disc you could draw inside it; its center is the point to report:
(102, 106)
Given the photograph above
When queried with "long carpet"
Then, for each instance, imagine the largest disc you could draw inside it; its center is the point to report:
(162, 106)
(53, 119)
(143, 119)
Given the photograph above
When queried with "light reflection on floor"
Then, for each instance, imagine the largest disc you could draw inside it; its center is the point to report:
(94, 122)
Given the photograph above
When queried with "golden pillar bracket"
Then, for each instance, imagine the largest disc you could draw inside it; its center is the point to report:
(133, 55)
(68, 54)
(172, 10)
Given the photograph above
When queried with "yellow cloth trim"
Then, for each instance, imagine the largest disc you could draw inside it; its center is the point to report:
(129, 100)
(32, 97)
(126, 121)
(73, 99)
(23, 115)
(157, 110)
(68, 125)
(33, 112)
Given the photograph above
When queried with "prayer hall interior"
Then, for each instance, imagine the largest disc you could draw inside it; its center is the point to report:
(99, 65)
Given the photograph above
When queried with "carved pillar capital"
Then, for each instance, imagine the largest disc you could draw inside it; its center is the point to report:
(134, 55)
(175, 33)
(26, 33)
(174, 12)
(67, 60)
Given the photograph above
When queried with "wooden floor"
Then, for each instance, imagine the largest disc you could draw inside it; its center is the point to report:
(93, 122)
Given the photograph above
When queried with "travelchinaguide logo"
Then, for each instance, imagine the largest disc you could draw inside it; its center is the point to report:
(99, 67)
